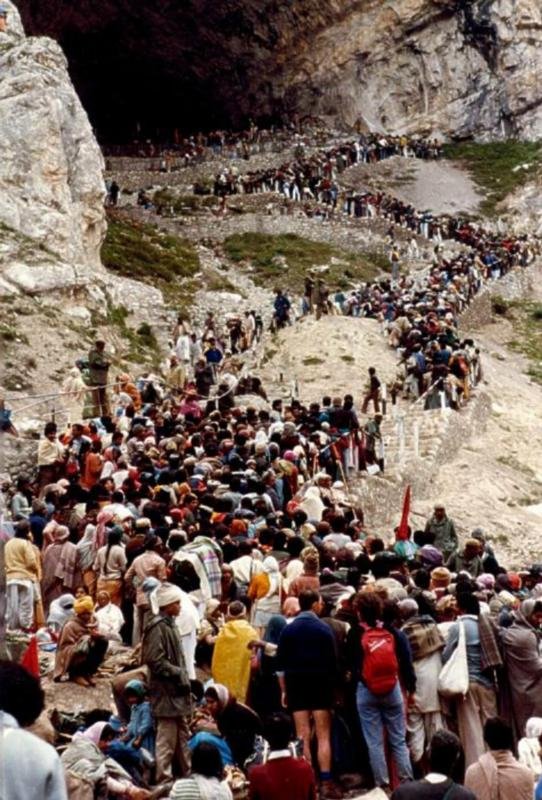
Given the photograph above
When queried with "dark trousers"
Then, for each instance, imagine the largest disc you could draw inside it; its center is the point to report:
(88, 663)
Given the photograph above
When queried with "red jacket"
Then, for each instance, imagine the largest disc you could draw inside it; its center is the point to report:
(285, 777)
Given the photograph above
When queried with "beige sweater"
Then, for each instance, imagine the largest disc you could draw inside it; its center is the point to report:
(21, 561)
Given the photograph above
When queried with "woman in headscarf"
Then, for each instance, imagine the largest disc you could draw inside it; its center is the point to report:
(87, 766)
(523, 662)
(60, 611)
(104, 522)
(86, 553)
(110, 566)
(236, 722)
(81, 649)
(60, 571)
(209, 629)
(312, 504)
(206, 780)
(265, 592)
(529, 747)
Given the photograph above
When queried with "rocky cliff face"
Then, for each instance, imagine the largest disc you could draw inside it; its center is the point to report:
(51, 184)
(460, 67)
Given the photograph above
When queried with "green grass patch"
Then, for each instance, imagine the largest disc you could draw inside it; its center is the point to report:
(497, 167)
(141, 345)
(145, 253)
(284, 260)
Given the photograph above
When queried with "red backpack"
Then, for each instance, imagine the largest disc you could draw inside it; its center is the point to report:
(380, 666)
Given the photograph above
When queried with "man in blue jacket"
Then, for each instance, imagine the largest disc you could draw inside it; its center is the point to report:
(307, 672)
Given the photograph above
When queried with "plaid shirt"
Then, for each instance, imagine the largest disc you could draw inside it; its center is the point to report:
(423, 635)
(210, 555)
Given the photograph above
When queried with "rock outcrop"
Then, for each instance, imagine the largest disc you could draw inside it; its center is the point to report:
(51, 170)
(456, 67)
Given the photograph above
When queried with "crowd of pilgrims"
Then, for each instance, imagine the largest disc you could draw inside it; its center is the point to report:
(255, 609)
(272, 639)
(313, 176)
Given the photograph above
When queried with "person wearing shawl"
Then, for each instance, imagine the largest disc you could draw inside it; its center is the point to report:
(60, 569)
(232, 653)
(497, 775)
(60, 611)
(206, 781)
(312, 504)
(237, 723)
(86, 766)
(109, 617)
(110, 566)
(523, 662)
(86, 553)
(81, 649)
(265, 592)
(529, 747)
(104, 521)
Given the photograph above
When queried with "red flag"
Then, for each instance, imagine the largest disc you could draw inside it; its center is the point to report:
(30, 660)
(402, 530)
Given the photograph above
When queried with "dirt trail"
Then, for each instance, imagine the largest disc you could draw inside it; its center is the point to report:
(328, 357)
(440, 187)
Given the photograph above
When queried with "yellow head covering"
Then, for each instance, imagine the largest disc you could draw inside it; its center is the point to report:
(84, 605)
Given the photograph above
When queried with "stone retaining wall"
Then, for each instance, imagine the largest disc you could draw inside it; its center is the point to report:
(518, 284)
(381, 496)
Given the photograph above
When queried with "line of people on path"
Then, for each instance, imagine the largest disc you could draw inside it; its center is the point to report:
(314, 176)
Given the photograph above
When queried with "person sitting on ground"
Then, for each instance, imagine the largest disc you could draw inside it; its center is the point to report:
(282, 775)
(29, 766)
(497, 773)
(447, 766)
(206, 780)
(87, 765)
(237, 723)
(135, 749)
(81, 648)
(109, 617)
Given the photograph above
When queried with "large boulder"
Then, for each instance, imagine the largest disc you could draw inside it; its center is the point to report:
(51, 169)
